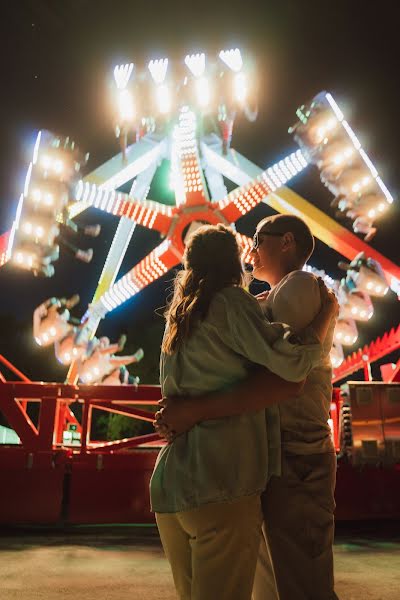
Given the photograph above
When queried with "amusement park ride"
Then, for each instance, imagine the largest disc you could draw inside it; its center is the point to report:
(185, 114)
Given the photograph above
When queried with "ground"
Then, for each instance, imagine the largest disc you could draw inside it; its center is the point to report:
(112, 564)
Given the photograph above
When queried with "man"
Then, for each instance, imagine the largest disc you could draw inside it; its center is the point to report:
(298, 503)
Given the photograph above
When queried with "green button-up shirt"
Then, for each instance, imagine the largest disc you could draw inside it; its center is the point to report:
(222, 459)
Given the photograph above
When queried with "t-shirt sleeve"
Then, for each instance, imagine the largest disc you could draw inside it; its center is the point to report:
(272, 345)
(297, 301)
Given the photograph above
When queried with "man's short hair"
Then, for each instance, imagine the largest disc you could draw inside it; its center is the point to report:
(305, 243)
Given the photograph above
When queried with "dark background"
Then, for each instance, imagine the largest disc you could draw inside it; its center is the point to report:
(56, 58)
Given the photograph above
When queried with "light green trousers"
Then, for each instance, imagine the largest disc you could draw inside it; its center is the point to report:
(213, 549)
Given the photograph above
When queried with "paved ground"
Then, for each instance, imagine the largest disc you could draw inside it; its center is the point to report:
(129, 564)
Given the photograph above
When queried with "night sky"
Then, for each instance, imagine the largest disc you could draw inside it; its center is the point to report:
(56, 59)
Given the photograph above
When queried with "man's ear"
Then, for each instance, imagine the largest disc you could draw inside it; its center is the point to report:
(288, 240)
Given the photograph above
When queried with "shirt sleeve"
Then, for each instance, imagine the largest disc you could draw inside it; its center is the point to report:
(272, 345)
(297, 301)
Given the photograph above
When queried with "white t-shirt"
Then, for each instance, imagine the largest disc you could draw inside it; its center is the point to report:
(295, 300)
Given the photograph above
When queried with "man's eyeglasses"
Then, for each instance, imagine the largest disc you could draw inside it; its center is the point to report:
(258, 234)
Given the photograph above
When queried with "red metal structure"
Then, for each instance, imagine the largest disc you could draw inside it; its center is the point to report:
(46, 481)
(94, 482)
(363, 357)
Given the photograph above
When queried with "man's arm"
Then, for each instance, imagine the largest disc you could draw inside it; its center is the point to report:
(260, 390)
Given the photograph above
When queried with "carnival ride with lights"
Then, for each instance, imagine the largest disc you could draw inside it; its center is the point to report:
(187, 118)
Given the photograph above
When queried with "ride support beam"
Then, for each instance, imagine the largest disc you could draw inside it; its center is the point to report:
(120, 409)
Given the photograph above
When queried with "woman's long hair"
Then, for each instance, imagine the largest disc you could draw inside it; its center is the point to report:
(211, 262)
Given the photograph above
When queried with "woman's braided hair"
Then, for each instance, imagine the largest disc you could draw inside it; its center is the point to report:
(211, 262)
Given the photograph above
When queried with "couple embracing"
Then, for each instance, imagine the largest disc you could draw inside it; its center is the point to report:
(243, 491)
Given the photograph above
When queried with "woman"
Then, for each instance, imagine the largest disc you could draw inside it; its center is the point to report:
(206, 485)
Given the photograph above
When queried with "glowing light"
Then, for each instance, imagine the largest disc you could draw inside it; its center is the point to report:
(122, 74)
(331, 124)
(384, 189)
(27, 227)
(240, 87)
(203, 91)
(163, 99)
(79, 190)
(58, 166)
(335, 107)
(46, 162)
(232, 58)
(358, 147)
(36, 147)
(27, 179)
(158, 69)
(196, 63)
(346, 331)
(277, 175)
(125, 106)
(318, 136)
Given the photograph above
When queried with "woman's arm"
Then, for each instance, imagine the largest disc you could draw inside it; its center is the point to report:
(329, 310)
(257, 392)
(260, 390)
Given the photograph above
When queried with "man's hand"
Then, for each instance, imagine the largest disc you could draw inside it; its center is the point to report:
(176, 416)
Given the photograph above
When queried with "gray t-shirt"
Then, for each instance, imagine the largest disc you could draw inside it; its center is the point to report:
(222, 459)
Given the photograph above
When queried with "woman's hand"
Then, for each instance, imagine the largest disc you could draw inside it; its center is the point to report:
(329, 302)
(176, 416)
(262, 296)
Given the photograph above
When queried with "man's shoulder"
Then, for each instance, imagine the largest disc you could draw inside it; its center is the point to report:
(300, 276)
(297, 280)
(295, 300)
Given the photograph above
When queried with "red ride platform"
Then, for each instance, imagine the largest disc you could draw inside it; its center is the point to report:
(47, 482)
